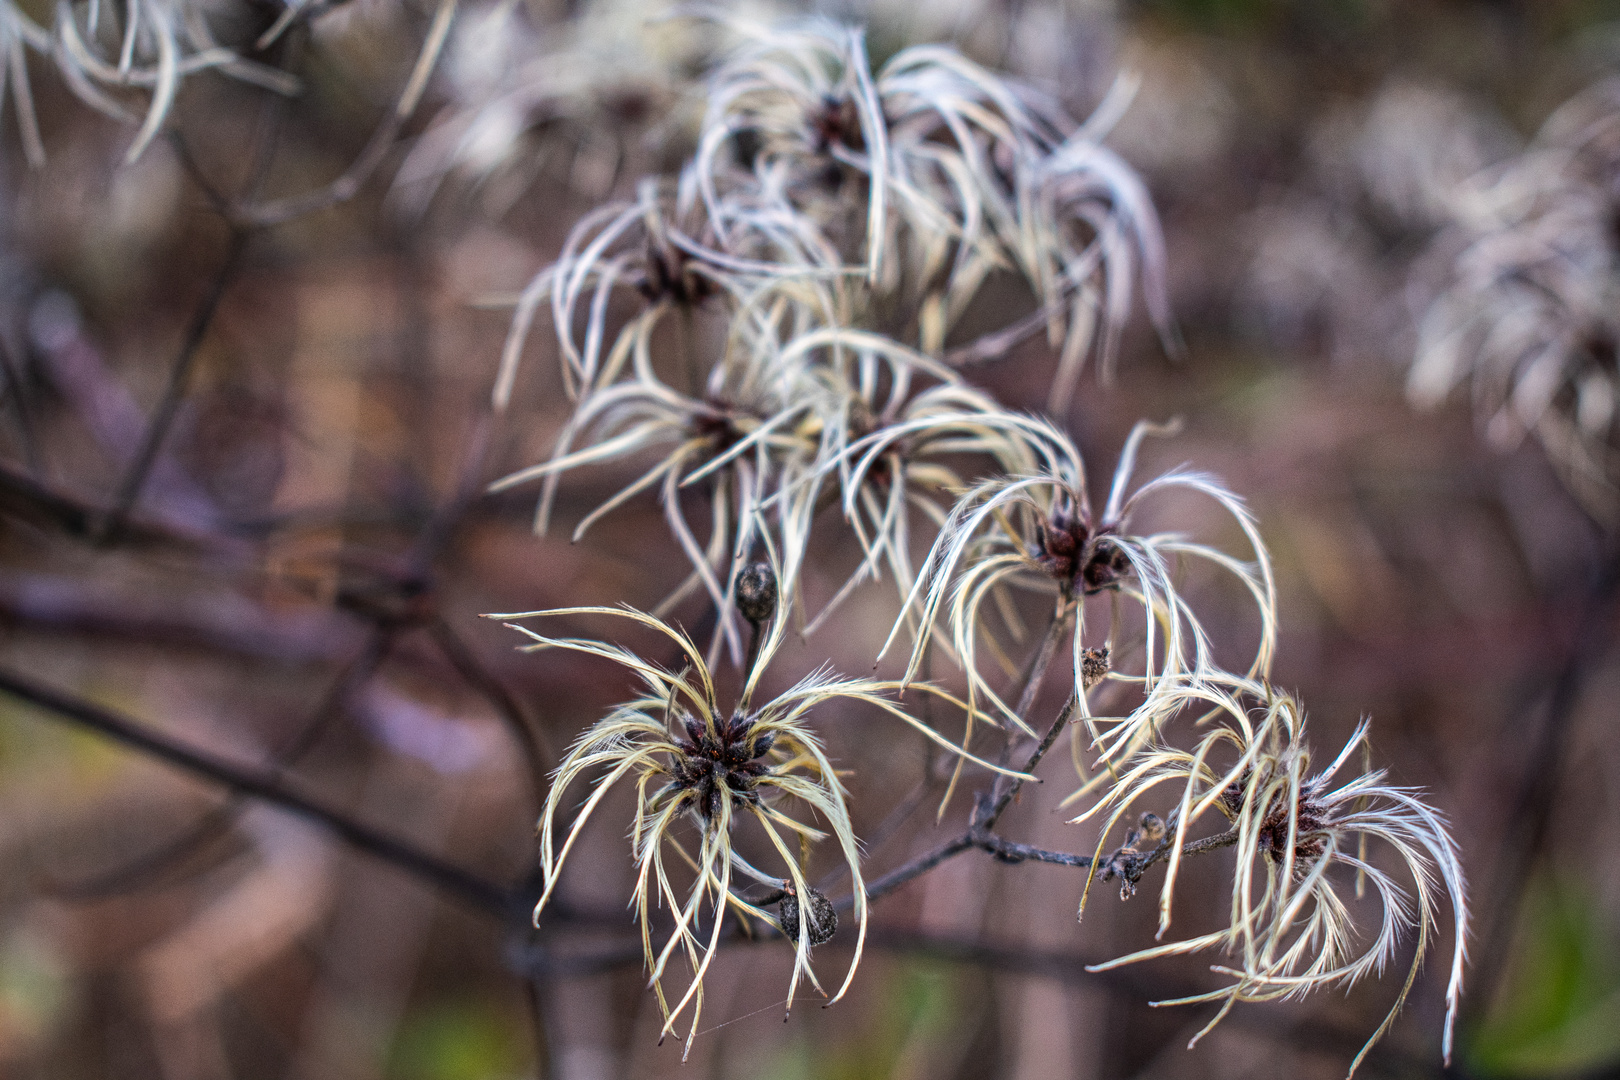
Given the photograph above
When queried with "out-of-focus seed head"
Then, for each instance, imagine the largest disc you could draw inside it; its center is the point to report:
(1149, 831)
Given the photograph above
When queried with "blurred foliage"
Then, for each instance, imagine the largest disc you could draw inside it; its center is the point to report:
(919, 1003)
(458, 1040)
(1250, 17)
(1559, 1009)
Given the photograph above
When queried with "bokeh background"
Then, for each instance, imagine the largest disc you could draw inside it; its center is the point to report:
(288, 580)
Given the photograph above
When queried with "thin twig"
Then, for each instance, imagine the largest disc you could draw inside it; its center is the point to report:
(462, 884)
(25, 498)
(985, 817)
(138, 872)
(1010, 786)
(883, 886)
(1009, 852)
(174, 390)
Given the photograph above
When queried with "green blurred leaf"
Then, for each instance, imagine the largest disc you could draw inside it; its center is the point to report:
(918, 999)
(456, 1042)
(1560, 1009)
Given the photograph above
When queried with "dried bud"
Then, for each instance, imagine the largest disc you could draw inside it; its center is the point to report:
(1149, 832)
(756, 592)
(1128, 863)
(1094, 664)
(823, 922)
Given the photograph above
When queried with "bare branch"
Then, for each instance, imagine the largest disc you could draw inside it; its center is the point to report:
(454, 881)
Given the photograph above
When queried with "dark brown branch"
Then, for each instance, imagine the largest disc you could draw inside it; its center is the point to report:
(1009, 852)
(1004, 787)
(985, 815)
(24, 498)
(144, 868)
(883, 886)
(1010, 786)
(454, 881)
(225, 624)
(174, 390)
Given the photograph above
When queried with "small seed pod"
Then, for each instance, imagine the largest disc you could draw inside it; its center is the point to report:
(823, 919)
(756, 592)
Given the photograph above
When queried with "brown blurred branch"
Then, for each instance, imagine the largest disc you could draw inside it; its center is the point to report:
(1531, 817)
(174, 389)
(222, 623)
(24, 498)
(469, 888)
(139, 871)
(15, 391)
(472, 670)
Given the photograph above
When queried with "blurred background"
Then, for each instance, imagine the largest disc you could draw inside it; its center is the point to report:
(242, 472)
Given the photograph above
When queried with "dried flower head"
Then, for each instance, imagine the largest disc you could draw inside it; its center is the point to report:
(1527, 318)
(701, 774)
(1039, 530)
(768, 416)
(586, 101)
(897, 456)
(661, 249)
(933, 174)
(158, 44)
(1299, 837)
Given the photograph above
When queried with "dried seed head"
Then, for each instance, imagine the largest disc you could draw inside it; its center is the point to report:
(1310, 821)
(756, 592)
(823, 922)
(1059, 540)
(724, 765)
(1104, 566)
(1094, 665)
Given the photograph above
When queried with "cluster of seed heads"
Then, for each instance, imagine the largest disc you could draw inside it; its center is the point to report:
(808, 164)
(1068, 549)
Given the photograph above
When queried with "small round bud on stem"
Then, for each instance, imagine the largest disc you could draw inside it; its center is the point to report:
(823, 920)
(756, 592)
